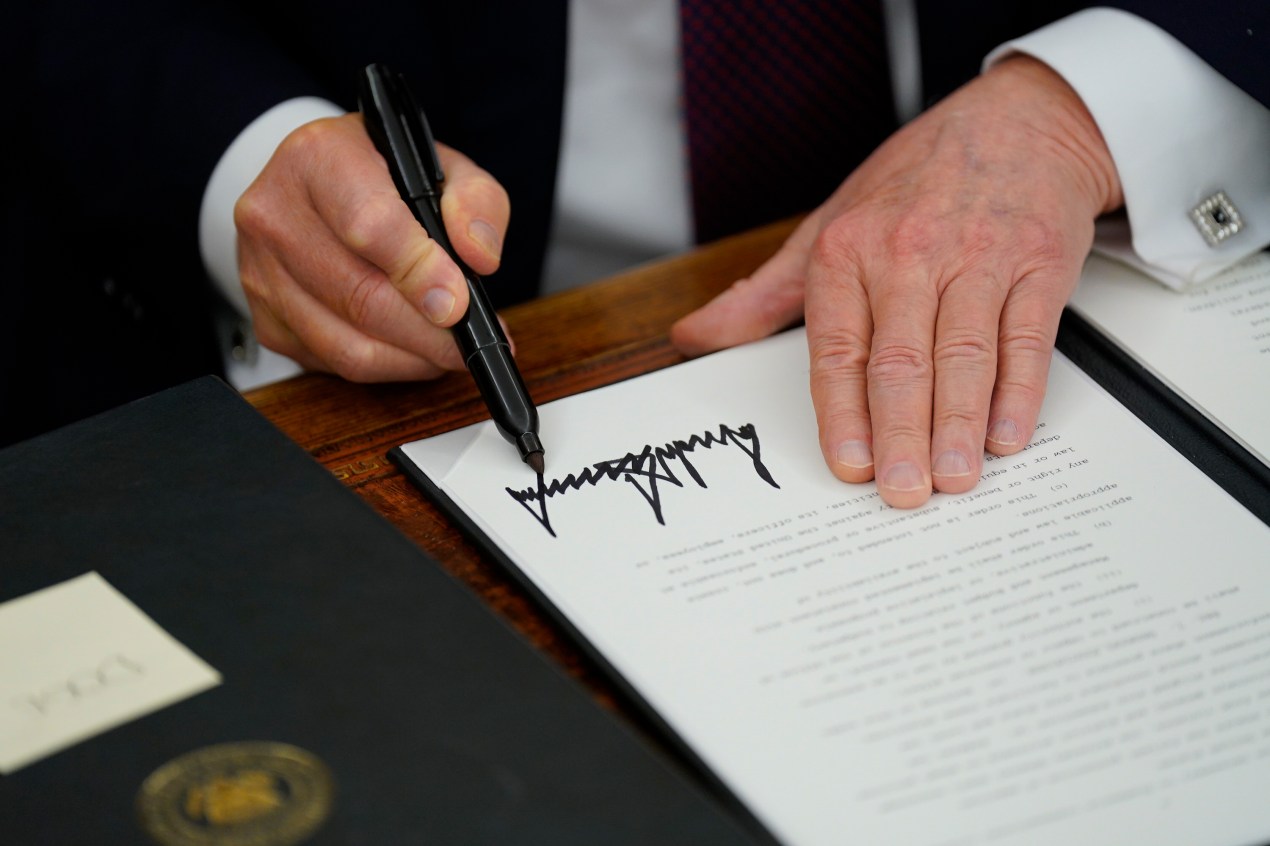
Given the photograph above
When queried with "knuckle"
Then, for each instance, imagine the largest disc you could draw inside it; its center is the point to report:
(910, 238)
(898, 363)
(353, 360)
(261, 285)
(253, 282)
(899, 429)
(980, 234)
(969, 347)
(274, 337)
(488, 192)
(838, 352)
(1027, 339)
(1040, 240)
(253, 212)
(837, 415)
(837, 245)
(921, 231)
(1020, 389)
(307, 139)
(366, 298)
(475, 193)
(365, 219)
(418, 269)
(960, 417)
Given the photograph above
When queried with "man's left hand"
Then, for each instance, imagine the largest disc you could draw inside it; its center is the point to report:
(932, 282)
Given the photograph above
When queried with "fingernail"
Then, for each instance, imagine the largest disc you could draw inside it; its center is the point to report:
(485, 235)
(904, 477)
(437, 304)
(1004, 432)
(855, 454)
(951, 463)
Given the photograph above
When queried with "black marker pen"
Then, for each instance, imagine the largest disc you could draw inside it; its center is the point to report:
(400, 131)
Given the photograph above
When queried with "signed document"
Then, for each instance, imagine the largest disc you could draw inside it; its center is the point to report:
(1076, 651)
(1210, 344)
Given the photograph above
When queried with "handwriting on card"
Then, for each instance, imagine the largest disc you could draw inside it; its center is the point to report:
(112, 672)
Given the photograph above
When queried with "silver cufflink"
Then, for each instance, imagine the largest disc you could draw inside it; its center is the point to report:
(1216, 218)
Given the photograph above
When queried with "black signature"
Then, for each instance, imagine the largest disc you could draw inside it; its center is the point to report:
(644, 471)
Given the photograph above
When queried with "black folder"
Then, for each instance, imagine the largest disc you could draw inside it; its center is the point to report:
(1237, 471)
(333, 633)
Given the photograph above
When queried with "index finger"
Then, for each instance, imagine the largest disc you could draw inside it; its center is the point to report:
(839, 333)
(476, 210)
(354, 195)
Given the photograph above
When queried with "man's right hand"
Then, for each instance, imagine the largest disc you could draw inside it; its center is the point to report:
(338, 273)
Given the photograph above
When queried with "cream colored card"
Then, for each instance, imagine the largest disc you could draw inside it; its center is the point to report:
(79, 658)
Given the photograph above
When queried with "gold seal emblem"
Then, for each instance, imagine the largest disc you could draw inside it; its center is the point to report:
(237, 794)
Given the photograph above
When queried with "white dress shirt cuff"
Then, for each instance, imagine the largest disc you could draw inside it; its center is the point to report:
(1178, 132)
(237, 169)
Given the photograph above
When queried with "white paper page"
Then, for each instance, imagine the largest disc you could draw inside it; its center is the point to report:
(1077, 651)
(79, 658)
(1210, 344)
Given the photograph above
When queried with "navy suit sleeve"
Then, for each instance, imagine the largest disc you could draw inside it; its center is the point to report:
(124, 110)
(1233, 37)
(139, 99)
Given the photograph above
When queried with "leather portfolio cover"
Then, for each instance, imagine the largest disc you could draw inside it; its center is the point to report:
(333, 633)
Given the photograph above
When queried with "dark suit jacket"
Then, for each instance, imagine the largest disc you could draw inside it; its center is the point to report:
(126, 107)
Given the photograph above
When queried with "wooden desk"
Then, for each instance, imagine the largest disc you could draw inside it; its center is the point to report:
(566, 343)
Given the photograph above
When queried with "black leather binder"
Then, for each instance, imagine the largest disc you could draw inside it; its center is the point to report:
(332, 632)
(1237, 471)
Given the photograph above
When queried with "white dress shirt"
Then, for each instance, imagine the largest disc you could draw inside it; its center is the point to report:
(1178, 132)
(1158, 105)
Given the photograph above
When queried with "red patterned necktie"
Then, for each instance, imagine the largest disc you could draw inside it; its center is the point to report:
(782, 100)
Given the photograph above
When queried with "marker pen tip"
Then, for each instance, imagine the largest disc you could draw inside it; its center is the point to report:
(534, 460)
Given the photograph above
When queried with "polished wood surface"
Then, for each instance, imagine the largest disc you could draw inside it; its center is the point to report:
(565, 343)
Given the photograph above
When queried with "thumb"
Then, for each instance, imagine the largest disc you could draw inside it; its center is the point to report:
(755, 307)
(476, 209)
